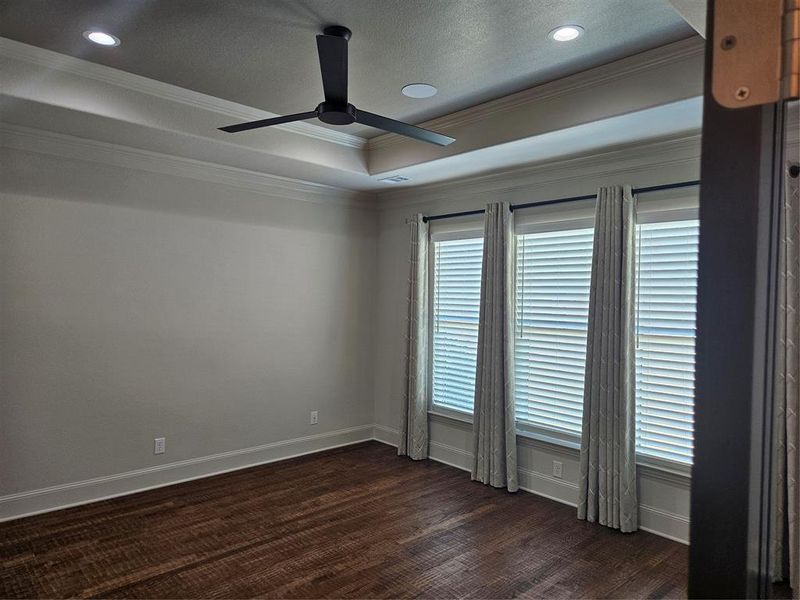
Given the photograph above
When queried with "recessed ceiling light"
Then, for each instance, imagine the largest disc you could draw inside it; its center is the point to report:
(419, 90)
(567, 33)
(101, 37)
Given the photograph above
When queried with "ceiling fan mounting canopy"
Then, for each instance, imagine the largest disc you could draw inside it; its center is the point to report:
(335, 115)
(338, 31)
(336, 110)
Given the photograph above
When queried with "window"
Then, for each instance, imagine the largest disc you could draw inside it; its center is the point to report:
(554, 270)
(456, 309)
(553, 280)
(665, 338)
(552, 312)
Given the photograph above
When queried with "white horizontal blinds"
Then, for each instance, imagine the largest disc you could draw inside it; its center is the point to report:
(554, 272)
(456, 311)
(665, 334)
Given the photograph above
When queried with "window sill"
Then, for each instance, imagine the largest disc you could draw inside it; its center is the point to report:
(552, 438)
(450, 415)
(659, 468)
(665, 468)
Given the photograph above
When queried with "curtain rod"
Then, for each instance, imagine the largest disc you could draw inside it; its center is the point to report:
(642, 190)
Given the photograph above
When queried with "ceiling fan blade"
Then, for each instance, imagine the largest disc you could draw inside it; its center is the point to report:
(333, 65)
(268, 122)
(412, 131)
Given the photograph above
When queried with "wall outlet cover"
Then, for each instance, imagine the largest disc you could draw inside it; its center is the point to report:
(314, 417)
(558, 469)
(159, 445)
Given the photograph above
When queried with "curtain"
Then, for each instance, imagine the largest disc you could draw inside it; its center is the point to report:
(607, 485)
(494, 447)
(414, 423)
(785, 525)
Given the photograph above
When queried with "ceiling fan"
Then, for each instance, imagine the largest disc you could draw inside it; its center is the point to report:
(336, 110)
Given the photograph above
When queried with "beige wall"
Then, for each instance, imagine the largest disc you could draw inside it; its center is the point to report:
(136, 305)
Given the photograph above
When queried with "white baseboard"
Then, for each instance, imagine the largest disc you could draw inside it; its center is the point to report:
(23, 504)
(664, 523)
(651, 519)
(387, 435)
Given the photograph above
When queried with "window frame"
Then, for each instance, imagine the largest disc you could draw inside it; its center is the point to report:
(546, 224)
(654, 211)
(653, 214)
(470, 233)
(666, 215)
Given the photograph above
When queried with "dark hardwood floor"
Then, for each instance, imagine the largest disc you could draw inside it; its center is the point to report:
(352, 522)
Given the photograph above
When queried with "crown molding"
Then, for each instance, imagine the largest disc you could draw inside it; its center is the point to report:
(628, 158)
(66, 146)
(165, 91)
(620, 69)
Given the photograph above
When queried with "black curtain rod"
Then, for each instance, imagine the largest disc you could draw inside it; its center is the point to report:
(642, 190)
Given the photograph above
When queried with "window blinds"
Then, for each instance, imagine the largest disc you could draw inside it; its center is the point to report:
(553, 280)
(554, 271)
(665, 338)
(456, 310)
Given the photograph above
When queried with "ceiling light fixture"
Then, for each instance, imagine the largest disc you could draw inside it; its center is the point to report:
(566, 33)
(101, 37)
(419, 90)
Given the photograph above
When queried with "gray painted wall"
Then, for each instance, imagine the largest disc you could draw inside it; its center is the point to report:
(140, 304)
(135, 305)
(664, 496)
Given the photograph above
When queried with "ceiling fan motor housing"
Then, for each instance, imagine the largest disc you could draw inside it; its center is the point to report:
(336, 114)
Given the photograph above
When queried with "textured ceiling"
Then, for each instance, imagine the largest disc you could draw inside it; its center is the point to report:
(262, 53)
(694, 12)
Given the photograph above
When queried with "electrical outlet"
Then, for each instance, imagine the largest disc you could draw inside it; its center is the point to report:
(558, 469)
(159, 445)
(314, 417)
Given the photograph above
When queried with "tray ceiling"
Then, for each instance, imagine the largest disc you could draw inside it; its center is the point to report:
(262, 53)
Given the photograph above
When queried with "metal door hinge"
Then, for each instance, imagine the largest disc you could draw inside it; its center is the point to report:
(756, 52)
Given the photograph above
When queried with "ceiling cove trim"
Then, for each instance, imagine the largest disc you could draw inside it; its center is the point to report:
(628, 159)
(39, 141)
(619, 69)
(82, 68)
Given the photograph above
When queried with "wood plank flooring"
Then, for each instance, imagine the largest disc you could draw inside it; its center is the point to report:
(353, 522)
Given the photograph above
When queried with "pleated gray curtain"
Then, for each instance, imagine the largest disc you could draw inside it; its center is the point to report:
(607, 490)
(785, 525)
(414, 421)
(494, 447)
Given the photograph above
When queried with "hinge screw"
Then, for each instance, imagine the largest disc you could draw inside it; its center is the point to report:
(743, 93)
(728, 42)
